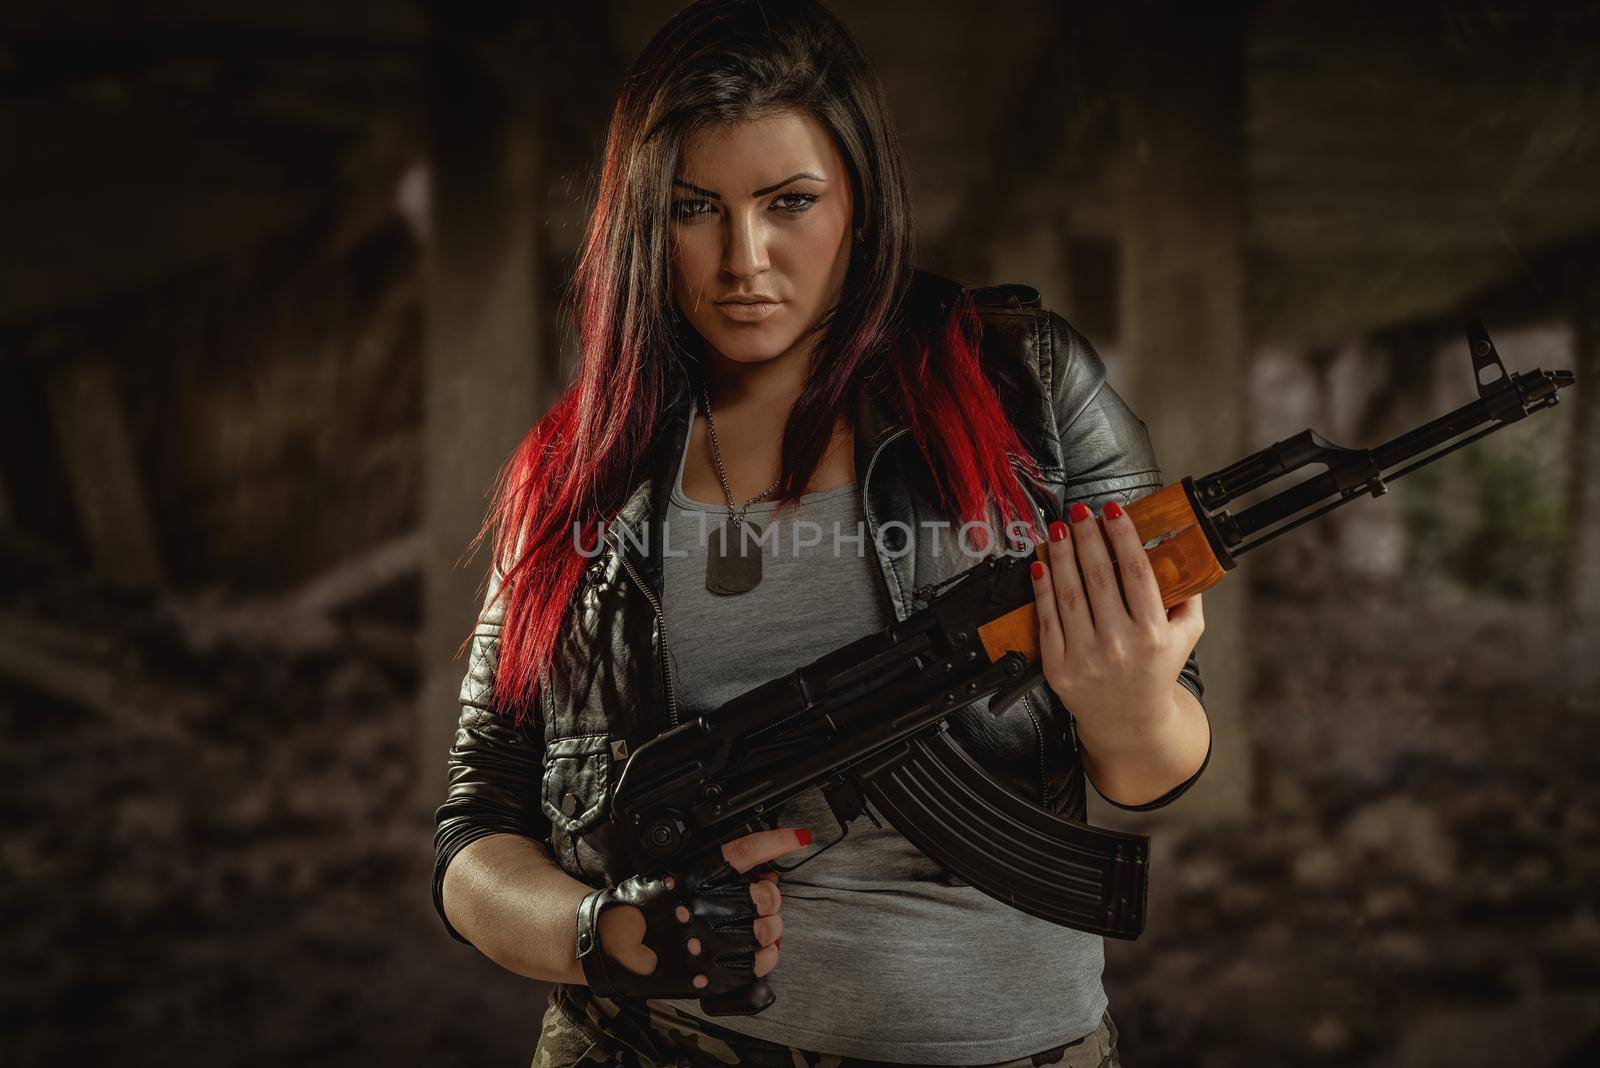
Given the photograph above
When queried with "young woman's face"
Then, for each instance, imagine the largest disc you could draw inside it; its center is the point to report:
(760, 233)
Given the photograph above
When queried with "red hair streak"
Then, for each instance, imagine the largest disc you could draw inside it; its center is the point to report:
(579, 462)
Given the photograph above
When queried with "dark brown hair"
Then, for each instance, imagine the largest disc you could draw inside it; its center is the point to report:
(722, 61)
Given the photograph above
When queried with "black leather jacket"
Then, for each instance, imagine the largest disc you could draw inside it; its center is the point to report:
(551, 779)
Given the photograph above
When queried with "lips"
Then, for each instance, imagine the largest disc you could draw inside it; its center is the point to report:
(748, 309)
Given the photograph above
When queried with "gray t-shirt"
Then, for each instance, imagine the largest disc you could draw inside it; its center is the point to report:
(882, 957)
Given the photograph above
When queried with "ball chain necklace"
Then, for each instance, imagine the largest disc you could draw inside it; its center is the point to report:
(733, 564)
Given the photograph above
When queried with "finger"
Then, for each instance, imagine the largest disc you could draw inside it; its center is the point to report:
(640, 960)
(1139, 587)
(1099, 581)
(768, 876)
(767, 929)
(1189, 612)
(766, 960)
(742, 854)
(767, 897)
(1052, 646)
(622, 932)
(1072, 604)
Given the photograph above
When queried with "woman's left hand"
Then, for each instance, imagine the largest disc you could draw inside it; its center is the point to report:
(1112, 655)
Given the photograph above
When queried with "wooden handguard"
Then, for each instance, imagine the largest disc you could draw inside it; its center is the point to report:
(1183, 563)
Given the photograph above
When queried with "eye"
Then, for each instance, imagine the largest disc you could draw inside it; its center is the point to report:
(690, 209)
(792, 203)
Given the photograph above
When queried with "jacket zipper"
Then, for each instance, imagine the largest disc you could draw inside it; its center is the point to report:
(661, 621)
(1027, 703)
(866, 480)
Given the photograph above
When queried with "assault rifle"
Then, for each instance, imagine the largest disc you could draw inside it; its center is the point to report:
(867, 722)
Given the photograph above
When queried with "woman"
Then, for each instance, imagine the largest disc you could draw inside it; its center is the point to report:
(757, 350)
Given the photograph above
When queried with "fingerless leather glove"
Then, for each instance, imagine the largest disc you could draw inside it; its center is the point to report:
(722, 915)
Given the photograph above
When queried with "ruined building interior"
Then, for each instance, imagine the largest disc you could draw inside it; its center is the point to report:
(279, 292)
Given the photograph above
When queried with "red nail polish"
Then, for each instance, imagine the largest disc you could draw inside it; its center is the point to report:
(1113, 510)
(1079, 512)
(1058, 530)
(804, 836)
(778, 942)
(1036, 569)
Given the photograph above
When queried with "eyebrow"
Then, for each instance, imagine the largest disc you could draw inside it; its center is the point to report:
(763, 191)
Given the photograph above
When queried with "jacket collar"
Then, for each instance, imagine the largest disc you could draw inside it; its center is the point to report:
(875, 425)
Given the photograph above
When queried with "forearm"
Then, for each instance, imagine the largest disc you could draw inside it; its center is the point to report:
(1135, 758)
(507, 896)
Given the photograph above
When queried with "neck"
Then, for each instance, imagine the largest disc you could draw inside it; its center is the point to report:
(751, 405)
(770, 387)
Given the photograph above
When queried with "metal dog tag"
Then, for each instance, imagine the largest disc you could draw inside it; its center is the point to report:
(733, 558)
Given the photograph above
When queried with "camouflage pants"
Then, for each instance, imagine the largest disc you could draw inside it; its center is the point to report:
(582, 1029)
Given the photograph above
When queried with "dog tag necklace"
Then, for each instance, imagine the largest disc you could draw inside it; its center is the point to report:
(733, 556)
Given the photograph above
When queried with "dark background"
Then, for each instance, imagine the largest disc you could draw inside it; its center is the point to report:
(278, 294)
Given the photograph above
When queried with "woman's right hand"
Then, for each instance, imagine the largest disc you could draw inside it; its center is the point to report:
(697, 932)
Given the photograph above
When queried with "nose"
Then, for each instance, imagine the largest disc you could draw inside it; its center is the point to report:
(745, 254)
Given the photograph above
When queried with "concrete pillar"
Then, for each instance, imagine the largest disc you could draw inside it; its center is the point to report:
(1377, 391)
(103, 471)
(1582, 588)
(1182, 310)
(483, 372)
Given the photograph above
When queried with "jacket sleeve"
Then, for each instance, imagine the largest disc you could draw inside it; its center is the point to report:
(495, 765)
(1106, 455)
